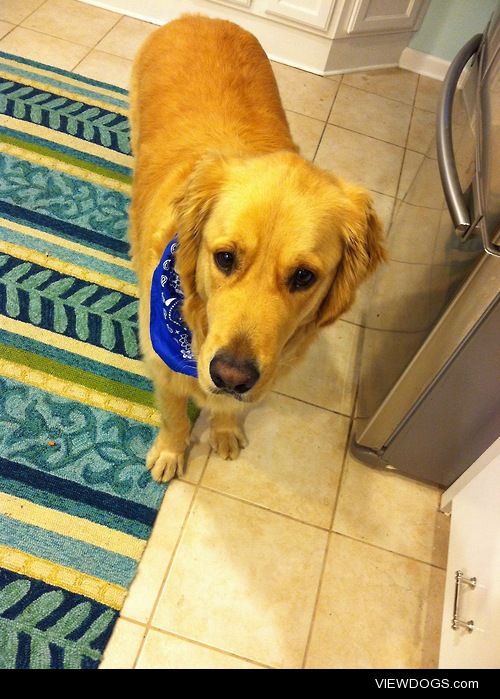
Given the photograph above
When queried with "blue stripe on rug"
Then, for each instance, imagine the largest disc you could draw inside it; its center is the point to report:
(74, 507)
(76, 89)
(89, 261)
(67, 230)
(75, 492)
(101, 563)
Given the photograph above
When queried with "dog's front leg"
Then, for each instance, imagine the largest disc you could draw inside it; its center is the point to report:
(226, 434)
(165, 459)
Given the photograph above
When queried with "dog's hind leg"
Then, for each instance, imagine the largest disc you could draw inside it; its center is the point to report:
(226, 434)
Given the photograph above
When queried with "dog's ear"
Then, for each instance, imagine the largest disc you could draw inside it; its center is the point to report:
(363, 250)
(192, 209)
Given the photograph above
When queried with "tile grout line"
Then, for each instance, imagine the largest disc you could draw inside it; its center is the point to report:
(120, 17)
(114, 55)
(329, 538)
(395, 553)
(40, 31)
(375, 138)
(19, 24)
(362, 133)
(313, 405)
(262, 507)
(395, 196)
(209, 647)
(14, 26)
(316, 603)
(406, 149)
(131, 620)
(307, 116)
(194, 641)
(385, 330)
(74, 43)
(378, 94)
(326, 121)
(346, 451)
(148, 624)
(332, 531)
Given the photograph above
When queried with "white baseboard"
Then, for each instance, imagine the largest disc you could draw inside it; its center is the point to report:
(423, 63)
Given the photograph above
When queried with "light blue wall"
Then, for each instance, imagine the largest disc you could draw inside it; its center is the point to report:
(449, 23)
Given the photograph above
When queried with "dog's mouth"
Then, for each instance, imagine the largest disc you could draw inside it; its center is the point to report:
(229, 392)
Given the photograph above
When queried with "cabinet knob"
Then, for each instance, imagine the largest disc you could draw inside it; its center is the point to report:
(457, 622)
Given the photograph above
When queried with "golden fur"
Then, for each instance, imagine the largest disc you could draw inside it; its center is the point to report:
(215, 163)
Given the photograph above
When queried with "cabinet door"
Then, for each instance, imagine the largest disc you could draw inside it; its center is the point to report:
(240, 3)
(383, 16)
(313, 13)
(475, 550)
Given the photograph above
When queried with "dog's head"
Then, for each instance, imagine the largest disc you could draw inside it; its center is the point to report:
(270, 249)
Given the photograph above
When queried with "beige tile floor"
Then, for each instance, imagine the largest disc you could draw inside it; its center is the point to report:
(295, 555)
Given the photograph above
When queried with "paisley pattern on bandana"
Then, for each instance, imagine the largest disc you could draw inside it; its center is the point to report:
(170, 336)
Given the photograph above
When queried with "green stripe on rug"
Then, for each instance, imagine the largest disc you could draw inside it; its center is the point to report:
(76, 375)
(65, 157)
(76, 360)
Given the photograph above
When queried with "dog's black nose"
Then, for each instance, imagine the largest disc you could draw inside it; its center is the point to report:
(231, 374)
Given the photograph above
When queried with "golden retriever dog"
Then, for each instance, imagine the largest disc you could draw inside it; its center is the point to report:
(269, 248)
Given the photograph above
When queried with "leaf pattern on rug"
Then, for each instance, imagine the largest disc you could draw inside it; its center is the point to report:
(50, 624)
(75, 118)
(69, 306)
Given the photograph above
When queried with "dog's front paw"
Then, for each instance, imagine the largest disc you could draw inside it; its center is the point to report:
(164, 463)
(228, 442)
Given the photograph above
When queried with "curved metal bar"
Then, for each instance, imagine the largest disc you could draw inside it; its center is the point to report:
(444, 142)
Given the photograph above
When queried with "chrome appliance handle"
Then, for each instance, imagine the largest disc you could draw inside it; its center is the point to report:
(456, 622)
(444, 141)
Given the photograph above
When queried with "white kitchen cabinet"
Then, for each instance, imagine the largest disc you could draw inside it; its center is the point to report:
(368, 16)
(313, 13)
(241, 3)
(474, 550)
(321, 36)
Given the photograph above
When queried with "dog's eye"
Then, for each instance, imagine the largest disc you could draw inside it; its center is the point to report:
(225, 261)
(302, 279)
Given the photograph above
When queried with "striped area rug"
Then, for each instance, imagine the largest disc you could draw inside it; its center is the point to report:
(76, 409)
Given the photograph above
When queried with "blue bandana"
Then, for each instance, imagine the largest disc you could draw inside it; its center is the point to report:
(170, 336)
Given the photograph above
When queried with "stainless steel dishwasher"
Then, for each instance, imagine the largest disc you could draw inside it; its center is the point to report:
(429, 391)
